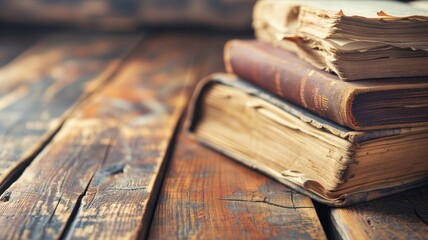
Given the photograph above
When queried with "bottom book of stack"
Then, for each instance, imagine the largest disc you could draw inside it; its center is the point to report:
(328, 162)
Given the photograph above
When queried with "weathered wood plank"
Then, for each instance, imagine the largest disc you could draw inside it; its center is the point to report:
(206, 195)
(120, 199)
(401, 216)
(39, 89)
(99, 176)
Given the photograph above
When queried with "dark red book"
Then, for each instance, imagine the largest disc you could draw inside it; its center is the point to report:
(359, 105)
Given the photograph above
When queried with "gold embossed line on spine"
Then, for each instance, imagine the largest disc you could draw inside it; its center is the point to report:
(302, 89)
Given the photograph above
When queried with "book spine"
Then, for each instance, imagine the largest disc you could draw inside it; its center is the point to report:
(288, 78)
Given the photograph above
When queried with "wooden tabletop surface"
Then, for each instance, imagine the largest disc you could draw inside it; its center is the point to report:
(92, 148)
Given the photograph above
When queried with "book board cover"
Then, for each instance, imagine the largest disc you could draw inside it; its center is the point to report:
(315, 121)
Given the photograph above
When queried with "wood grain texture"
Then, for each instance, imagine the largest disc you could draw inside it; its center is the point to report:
(40, 87)
(99, 176)
(121, 197)
(401, 216)
(206, 195)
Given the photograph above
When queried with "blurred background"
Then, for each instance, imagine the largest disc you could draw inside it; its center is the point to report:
(128, 15)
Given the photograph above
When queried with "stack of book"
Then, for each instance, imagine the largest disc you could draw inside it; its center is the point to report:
(331, 99)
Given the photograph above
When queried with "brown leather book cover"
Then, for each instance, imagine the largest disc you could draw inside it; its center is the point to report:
(359, 105)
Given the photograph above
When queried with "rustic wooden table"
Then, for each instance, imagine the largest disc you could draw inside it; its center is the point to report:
(92, 147)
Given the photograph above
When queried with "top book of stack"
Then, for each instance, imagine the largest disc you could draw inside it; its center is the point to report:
(354, 39)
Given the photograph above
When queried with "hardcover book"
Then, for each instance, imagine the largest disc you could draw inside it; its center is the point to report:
(354, 39)
(359, 105)
(330, 163)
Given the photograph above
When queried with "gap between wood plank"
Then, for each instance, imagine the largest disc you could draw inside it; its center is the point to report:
(158, 178)
(144, 232)
(26, 160)
(323, 212)
(110, 179)
(13, 176)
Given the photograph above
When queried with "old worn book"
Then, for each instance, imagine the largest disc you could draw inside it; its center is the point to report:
(354, 39)
(330, 163)
(360, 105)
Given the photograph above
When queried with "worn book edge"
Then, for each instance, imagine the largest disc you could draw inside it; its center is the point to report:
(341, 112)
(342, 132)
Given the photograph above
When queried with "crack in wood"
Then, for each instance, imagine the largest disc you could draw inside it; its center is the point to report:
(418, 215)
(114, 170)
(415, 211)
(369, 222)
(72, 221)
(26, 161)
(51, 217)
(265, 201)
(125, 189)
(70, 224)
(91, 87)
(292, 199)
(6, 197)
